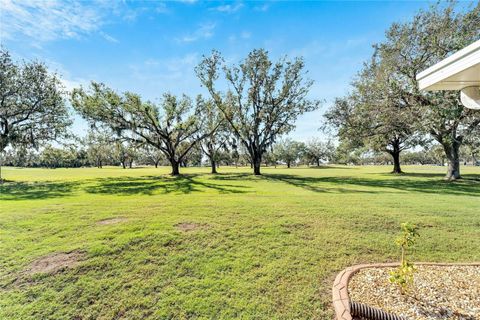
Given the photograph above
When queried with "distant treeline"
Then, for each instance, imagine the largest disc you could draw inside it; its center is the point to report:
(286, 152)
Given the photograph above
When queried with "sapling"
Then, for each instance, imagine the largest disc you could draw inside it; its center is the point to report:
(403, 275)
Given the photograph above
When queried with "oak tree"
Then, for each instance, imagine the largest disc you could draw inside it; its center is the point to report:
(216, 130)
(375, 114)
(263, 99)
(412, 47)
(173, 126)
(32, 104)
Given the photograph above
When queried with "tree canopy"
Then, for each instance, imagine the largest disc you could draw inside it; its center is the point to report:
(264, 100)
(375, 113)
(32, 104)
(216, 132)
(288, 151)
(414, 46)
(386, 111)
(173, 127)
(316, 150)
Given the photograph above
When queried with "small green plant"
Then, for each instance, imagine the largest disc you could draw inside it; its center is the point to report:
(403, 275)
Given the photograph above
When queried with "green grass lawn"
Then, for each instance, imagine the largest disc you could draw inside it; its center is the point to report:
(263, 248)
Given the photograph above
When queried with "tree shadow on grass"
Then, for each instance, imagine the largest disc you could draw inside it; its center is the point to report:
(323, 166)
(469, 186)
(233, 176)
(148, 185)
(35, 190)
(308, 183)
(441, 175)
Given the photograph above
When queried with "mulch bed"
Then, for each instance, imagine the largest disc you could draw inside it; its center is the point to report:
(438, 292)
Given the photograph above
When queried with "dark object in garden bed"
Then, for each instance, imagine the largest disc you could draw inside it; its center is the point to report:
(440, 291)
(362, 311)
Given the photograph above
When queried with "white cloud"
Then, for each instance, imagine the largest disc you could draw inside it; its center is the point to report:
(69, 82)
(175, 75)
(262, 8)
(48, 20)
(245, 35)
(188, 61)
(130, 15)
(205, 31)
(133, 14)
(162, 8)
(229, 8)
(332, 49)
(108, 37)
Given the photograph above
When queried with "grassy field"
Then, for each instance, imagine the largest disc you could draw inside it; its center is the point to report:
(220, 246)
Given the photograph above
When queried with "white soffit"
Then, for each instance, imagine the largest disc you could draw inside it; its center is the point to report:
(460, 70)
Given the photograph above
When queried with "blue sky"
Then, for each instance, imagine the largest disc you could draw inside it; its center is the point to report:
(151, 47)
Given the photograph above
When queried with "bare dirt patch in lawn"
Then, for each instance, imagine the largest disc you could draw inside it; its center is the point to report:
(109, 221)
(55, 262)
(189, 226)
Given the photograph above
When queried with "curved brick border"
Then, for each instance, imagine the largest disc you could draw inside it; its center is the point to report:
(340, 296)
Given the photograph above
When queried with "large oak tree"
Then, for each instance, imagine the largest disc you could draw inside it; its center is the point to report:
(173, 126)
(375, 114)
(414, 46)
(386, 107)
(216, 130)
(263, 99)
(32, 104)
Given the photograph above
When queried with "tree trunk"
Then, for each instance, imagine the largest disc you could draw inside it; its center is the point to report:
(214, 166)
(130, 164)
(256, 169)
(288, 164)
(1, 158)
(395, 153)
(175, 167)
(257, 161)
(396, 161)
(451, 151)
(156, 164)
(318, 162)
(123, 165)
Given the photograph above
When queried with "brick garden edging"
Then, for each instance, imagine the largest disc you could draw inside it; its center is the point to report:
(340, 298)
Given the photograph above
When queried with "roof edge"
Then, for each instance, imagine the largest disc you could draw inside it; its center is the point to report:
(468, 50)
